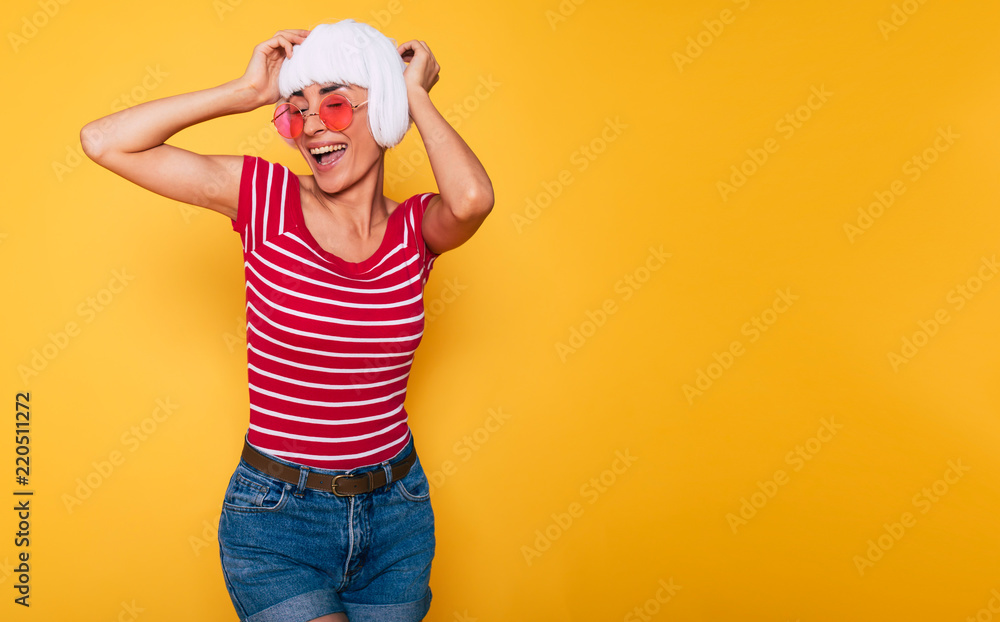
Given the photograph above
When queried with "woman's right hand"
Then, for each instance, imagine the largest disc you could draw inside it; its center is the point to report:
(260, 81)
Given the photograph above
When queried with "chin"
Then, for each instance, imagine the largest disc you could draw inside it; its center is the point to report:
(331, 186)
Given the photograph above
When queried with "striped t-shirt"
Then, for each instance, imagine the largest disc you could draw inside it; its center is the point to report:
(329, 342)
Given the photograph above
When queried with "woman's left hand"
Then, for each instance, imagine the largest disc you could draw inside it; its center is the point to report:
(422, 70)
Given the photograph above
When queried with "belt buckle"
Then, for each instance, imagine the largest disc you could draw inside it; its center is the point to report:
(333, 485)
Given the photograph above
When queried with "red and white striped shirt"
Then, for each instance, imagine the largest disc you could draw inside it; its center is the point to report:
(329, 342)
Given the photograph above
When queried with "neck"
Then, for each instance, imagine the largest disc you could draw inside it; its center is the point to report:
(360, 206)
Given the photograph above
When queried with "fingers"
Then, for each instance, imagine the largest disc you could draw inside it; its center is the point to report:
(285, 43)
(410, 49)
(288, 38)
(405, 50)
(413, 44)
(419, 57)
(294, 31)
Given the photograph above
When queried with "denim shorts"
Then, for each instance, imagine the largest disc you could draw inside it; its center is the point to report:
(291, 553)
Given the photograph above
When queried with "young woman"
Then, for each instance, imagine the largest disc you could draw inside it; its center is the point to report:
(327, 516)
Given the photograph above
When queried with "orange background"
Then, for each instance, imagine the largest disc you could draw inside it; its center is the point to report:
(772, 400)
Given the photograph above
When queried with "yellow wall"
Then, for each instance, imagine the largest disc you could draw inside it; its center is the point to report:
(835, 461)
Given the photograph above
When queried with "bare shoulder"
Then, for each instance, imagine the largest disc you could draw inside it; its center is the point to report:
(390, 205)
(435, 200)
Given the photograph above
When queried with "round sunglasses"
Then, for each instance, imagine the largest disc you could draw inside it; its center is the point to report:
(335, 111)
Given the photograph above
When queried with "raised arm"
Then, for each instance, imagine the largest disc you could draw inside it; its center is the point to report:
(131, 143)
(465, 196)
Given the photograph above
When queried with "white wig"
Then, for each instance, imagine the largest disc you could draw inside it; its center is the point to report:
(349, 52)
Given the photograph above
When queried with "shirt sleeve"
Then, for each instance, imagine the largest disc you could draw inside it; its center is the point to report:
(420, 204)
(243, 207)
(264, 189)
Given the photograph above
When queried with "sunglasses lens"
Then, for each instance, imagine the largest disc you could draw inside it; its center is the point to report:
(287, 120)
(335, 112)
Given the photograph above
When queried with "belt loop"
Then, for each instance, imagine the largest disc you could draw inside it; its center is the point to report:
(303, 476)
(388, 467)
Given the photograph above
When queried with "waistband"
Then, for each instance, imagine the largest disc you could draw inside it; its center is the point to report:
(339, 482)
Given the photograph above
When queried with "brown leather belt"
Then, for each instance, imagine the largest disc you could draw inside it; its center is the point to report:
(340, 485)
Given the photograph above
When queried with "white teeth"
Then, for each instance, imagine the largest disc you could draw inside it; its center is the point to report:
(327, 148)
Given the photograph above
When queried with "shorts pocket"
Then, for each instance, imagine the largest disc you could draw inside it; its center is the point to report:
(414, 485)
(249, 491)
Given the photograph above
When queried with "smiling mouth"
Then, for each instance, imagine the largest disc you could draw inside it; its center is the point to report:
(330, 156)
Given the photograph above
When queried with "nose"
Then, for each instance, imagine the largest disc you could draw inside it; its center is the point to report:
(305, 122)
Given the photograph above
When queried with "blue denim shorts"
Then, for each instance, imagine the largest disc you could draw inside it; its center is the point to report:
(291, 553)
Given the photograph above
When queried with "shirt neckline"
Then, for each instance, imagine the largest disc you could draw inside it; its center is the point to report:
(388, 236)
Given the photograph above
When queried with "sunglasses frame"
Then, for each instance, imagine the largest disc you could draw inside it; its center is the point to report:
(321, 104)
